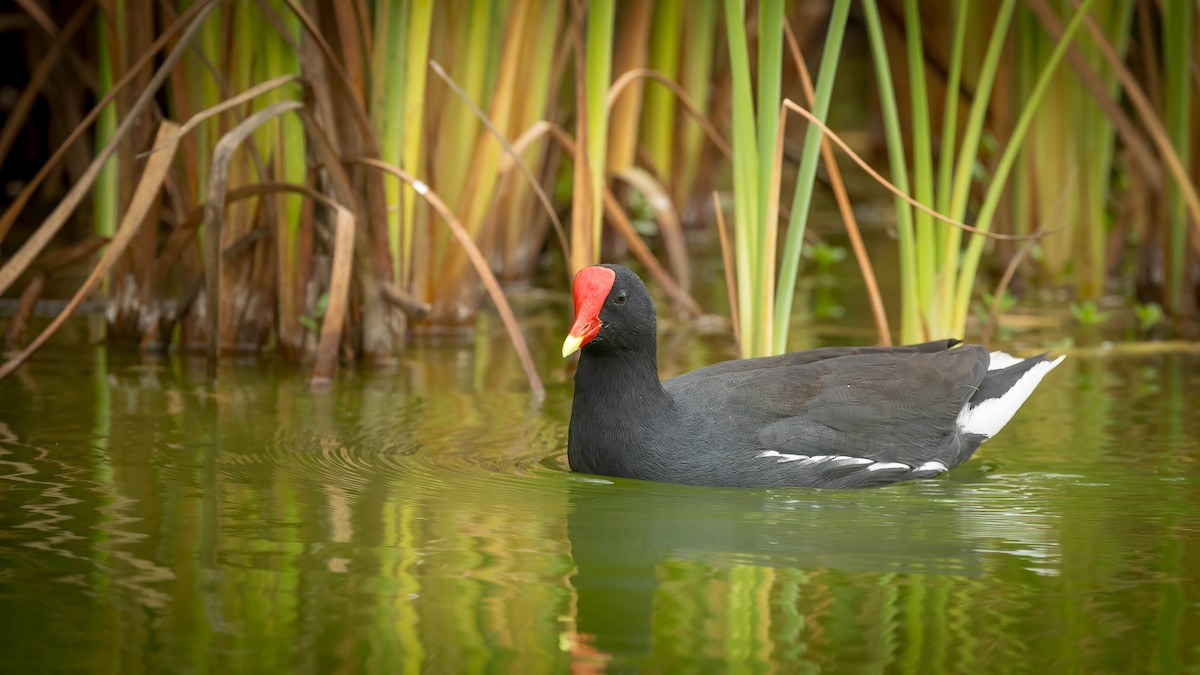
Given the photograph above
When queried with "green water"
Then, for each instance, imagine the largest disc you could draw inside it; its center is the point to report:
(421, 520)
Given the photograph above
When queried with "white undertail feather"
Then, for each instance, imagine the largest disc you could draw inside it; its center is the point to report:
(1002, 360)
(989, 417)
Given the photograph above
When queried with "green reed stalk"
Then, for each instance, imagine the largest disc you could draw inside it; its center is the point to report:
(1046, 179)
(1177, 61)
(598, 77)
(508, 87)
(911, 329)
(525, 216)
(469, 41)
(290, 165)
(293, 165)
(696, 76)
(415, 74)
(770, 72)
(802, 199)
(756, 187)
(991, 201)
(658, 114)
(945, 182)
(1097, 149)
(745, 178)
(104, 205)
(625, 113)
(387, 102)
(1024, 74)
(968, 155)
(922, 153)
(205, 93)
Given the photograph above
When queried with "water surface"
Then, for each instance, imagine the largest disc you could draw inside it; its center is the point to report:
(421, 520)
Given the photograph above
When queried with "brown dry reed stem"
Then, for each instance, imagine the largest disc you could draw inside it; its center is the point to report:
(49, 265)
(477, 261)
(1153, 124)
(1010, 270)
(39, 16)
(727, 259)
(789, 104)
(376, 338)
(214, 208)
(1139, 149)
(612, 207)
(509, 152)
(631, 76)
(843, 200)
(343, 80)
(533, 134)
(343, 248)
(230, 102)
(582, 200)
(371, 268)
(414, 307)
(1001, 287)
(339, 294)
(183, 233)
(190, 20)
(668, 220)
(24, 103)
(145, 195)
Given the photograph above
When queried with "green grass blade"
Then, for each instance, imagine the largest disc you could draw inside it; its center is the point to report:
(950, 110)
(1177, 50)
(387, 100)
(104, 205)
(911, 329)
(598, 77)
(770, 62)
(922, 150)
(658, 115)
(416, 69)
(696, 75)
(745, 164)
(968, 155)
(991, 201)
(790, 265)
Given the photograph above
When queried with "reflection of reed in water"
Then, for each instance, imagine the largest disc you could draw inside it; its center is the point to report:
(256, 526)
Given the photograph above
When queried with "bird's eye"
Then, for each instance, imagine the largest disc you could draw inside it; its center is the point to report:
(621, 298)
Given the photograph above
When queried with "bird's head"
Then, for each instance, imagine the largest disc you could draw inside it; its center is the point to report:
(613, 311)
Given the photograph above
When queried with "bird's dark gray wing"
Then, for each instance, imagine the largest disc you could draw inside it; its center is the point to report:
(812, 356)
(882, 407)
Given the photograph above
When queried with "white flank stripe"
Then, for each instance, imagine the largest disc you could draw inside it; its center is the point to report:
(989, 417)
(791, 458)
(817, 459)
(768, 453)
(846, 460)
(933, 465)
(1002, 360)
(880, 466)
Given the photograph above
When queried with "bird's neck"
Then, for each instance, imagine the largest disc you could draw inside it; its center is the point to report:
(620, 406)
(619, 377)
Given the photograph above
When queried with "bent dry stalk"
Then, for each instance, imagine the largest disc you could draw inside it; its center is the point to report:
(144, 196)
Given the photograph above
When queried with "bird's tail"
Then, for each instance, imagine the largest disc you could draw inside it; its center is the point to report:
(1008, 383)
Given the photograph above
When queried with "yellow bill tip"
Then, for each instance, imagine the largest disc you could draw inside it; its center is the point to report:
(571, 345)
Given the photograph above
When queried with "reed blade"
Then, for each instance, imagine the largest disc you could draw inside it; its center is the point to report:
(802, 199)
(970, 263)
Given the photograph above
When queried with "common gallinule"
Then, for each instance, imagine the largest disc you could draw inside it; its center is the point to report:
(836, 417)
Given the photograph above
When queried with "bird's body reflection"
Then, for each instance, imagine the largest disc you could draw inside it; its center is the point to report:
(623, 535)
